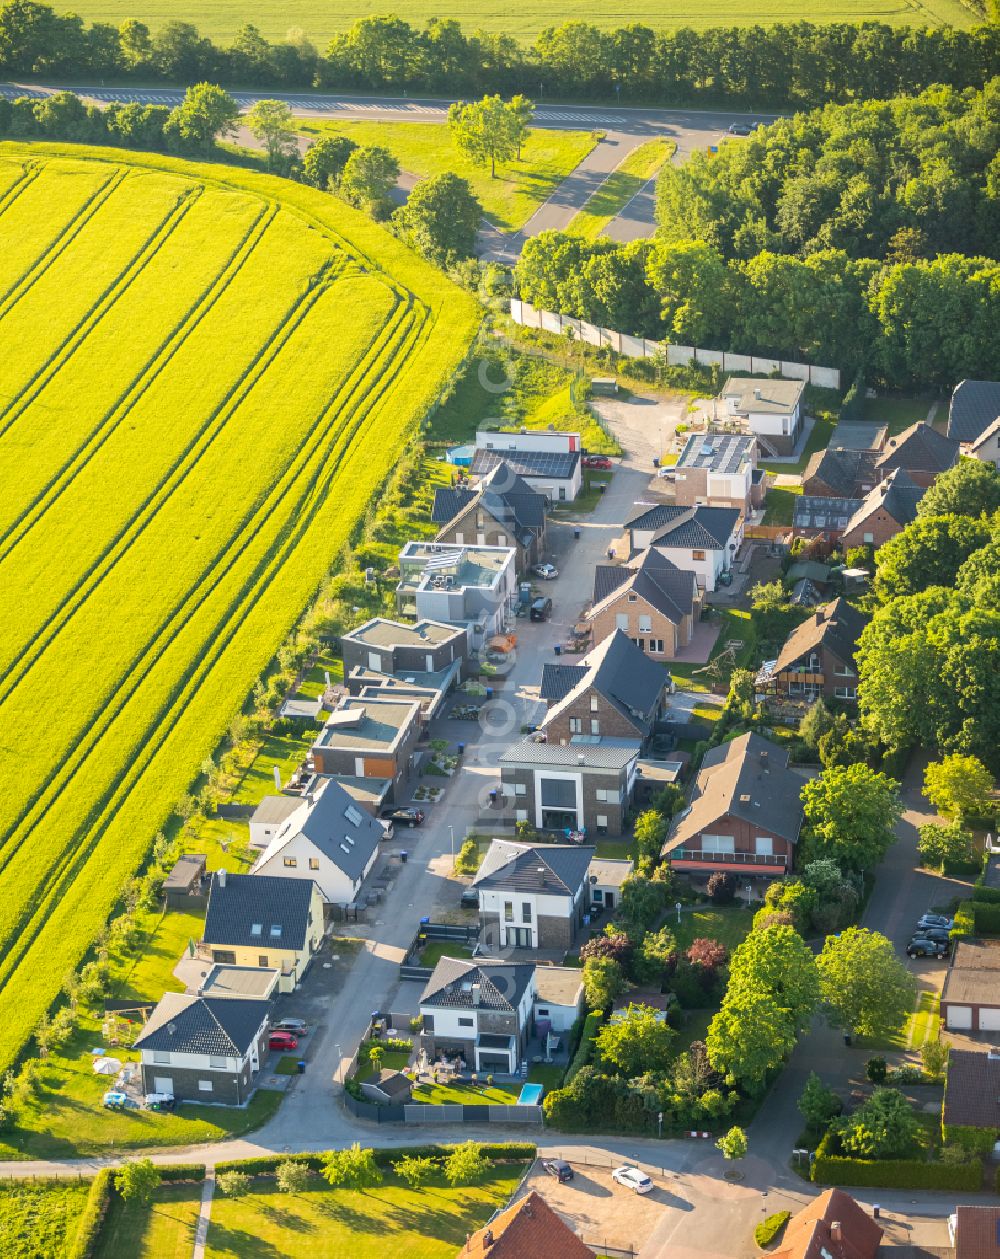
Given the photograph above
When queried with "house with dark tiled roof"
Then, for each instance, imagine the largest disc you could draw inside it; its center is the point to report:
(921, 451)
(585, 784)
(480, 1011)
(266, 921)
(203, 1049)
(817, 659)
(974, 406)
(972, 1097)
(549, 461)
(502, 511)
(837, 472)
(649, 599)
(986, 447)
(526, 1229)
(886, 511)
(744, 815)
(701, 540)
(532, 896)
(832, 1226)
(615, 690)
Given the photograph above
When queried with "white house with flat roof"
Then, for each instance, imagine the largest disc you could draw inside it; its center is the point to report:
(770, 408)
(550, 462)
(716, 470)
(470, 586)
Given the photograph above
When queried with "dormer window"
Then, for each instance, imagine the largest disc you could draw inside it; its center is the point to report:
(276, 931)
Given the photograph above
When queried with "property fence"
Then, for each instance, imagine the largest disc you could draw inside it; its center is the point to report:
(529, 316)
(410, 968)
(429, 1115)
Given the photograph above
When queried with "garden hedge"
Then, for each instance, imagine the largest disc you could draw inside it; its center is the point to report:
(985, 918)
(586, 1048)
(181, 1171)
(767, 1230)
(898, 1173)
(92, 1217)
(986, 895)
(975, 1140)
(500, 1152)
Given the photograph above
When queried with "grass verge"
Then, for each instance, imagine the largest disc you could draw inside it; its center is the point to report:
(624, 182)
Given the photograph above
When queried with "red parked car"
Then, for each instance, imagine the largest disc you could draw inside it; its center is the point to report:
(282, 1040)
(596, 461)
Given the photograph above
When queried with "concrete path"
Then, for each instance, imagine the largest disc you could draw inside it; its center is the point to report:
(204, 1214)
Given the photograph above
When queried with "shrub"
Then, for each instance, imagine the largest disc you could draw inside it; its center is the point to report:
(985, 919)
(875, 1070)
(587, 1047)
(768, 1230)
(986, 895)
(722, 888)
(832, 1169)
(467, 861)
(818, 1104)
(235, 1184)
(882, 1127)
(92, 1216)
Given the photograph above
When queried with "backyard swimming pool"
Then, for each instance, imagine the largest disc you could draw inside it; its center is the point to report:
(530, 1095)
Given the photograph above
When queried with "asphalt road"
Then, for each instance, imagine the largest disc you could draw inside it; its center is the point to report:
(626, 129)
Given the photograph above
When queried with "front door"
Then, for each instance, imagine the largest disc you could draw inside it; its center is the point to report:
(519, 937)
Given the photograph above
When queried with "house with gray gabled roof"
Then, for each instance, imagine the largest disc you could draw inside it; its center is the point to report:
(479, 1011)
(651, 600)
(586, 784)
(974, 405)
(886, 511)
(701, 540)
(817, 658)
(502, 511)
(744, 815)
(532, 896)
(615, 690)
(921, 451)
(263, 920)
(203, 1049)
(986, 447)
(330, 840)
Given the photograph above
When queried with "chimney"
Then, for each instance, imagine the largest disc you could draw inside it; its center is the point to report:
(476, 994)
(581, 759)
(487, 1239)
(221, 875)
(819, 617)
(277, 777)
(836, 1232)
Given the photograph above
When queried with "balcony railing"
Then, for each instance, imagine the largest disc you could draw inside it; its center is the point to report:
(729, 858)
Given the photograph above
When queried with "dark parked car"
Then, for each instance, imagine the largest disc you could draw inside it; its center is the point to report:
(558, 1167)
(295, 1027)
(941, 934)
(470, 898)
(935, 920)
(541, 609)
(920, 946)
(596, 461)
(402, 816)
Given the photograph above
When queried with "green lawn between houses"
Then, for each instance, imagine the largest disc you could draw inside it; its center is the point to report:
(38, 1218)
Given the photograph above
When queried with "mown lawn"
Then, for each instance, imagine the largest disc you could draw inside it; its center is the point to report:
(736, 625)
(468, 1094)
(780, 504)
(729, 926)
(899, 411)
(162, 1229)
(434, 950)
(286, 751)
(392, 1060)
(511, 198)
(38, 1218)
(819, 439)
(620, 187)
(431, 1223)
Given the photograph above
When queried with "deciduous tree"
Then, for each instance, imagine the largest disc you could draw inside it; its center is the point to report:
(207, 112)
(272, 123)
(488, 131)
(864, 985)
(970, 488)
(851, 811)
(635, 1040)
(370, 175)
(137, 1180)
(353, 1168)
(324, 160)
(466, 1164)
(441, 218)
(959, 787)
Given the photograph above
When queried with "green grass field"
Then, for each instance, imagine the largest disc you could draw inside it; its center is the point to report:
(511, 198)
(162, 1229)
(523, 19)
(780, 504)
(620, 187)
(729, 926)
(190, 428)
(38, 1218)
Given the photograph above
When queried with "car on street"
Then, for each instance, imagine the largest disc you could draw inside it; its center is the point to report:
(470, 898)
(284, 1041)
(558, 1167)
(632, 1178)
(402, 816)
(667, 474)
(743, 128)
(540, 610)
(296, 1027)
(935, 920)
(546, 571)
(921, 946)
(596, 461)
(941, 934)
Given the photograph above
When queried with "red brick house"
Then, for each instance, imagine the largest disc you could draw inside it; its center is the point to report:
(832, 1226)
(817, 659)
(921, 451)
(744, 815)
(885, 511)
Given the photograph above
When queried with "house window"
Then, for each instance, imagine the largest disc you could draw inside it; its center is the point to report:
(225, 957)
(526, 911)
(764, 846)
(542, 1011)
(640, 643)
(697, 555)
(502, 540)
(868, 538)
(508, 911)
(262, 961)
(645, 624)
(429, 1023)
(602, 821)
(633, 598)
(721, 844)
(204, 1086)
(562, 493)
(161, 1057)
(575, 725)
(594, 706)
(521, 815)
(621, 621)
(520, 789)
(601, 795)
(466, 1022)
(656, 646)
(595, 726)
(842, 670)
(314, 863)
(846, 692)
(291, 863)
(215, 1061)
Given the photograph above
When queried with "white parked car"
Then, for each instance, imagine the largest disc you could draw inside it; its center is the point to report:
(631, 1178)
(546, 571)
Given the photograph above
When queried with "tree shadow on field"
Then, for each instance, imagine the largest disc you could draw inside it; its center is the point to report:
(237, 1241)
(284, 1217)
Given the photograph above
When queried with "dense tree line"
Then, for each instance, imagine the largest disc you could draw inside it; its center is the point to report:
(798, 64)
(907, 178)
(918, 322)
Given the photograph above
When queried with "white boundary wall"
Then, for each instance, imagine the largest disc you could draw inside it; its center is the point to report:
(528, 316)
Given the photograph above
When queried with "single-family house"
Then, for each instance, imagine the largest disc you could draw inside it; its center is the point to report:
(503, 510)
(744, 815)
(716, 470)
(921, 451)
(200, 1049)
(615, 690)
(558, 999)
(986, 447)
(839, 472)
(393, 647)
(702, 540)
(480, 1011)
(370, 738)
(970, 998)
(832, 1226)
(264, 921)
(532, 896)
(549, 462)
(428, 690)
(269, 816)
(471, 586)
(884, 512)
(817, 658)
(528, 1228)
(972, 1095)
(974, 406)
(330, 841)
(814, 515)
(585, 784)
(648, 598)
(975, 1232)
(771, 409)
(606, 877)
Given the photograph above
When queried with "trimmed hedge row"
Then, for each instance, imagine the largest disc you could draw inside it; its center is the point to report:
(585, 1050)
(501, 1152)
(975, 1140)
(986, 895)
(181, 1171)
(92, 1217)
(985, 918)
(897, 1173)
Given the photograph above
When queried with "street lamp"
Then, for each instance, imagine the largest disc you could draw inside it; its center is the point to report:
(340, 1059)
(451, 832)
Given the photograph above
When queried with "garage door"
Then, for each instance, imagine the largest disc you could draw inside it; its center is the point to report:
(989, 1020)
(959, 1017)
(163, 1084)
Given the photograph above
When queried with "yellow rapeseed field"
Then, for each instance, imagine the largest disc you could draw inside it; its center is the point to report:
(206, 375)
